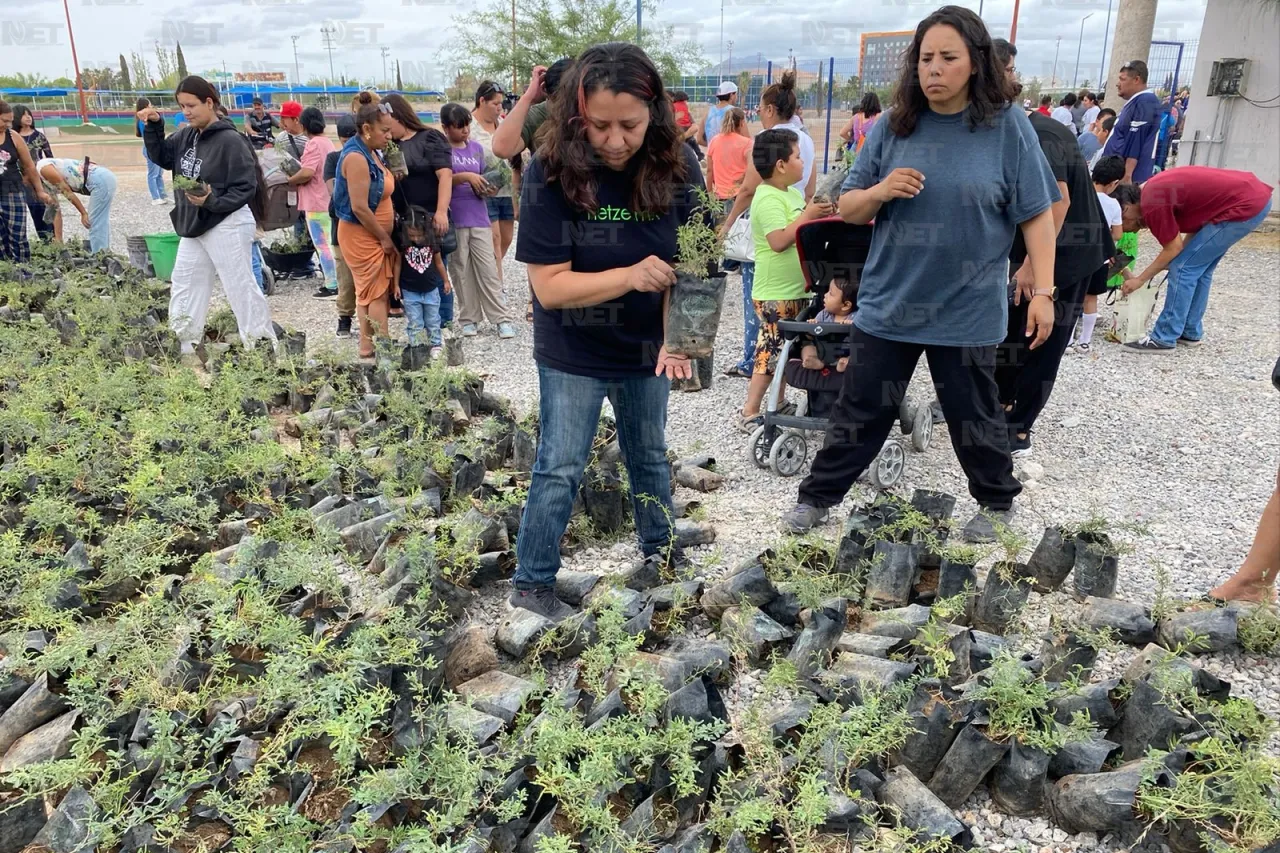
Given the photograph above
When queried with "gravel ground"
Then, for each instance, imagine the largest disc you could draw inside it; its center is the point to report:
(1187, 443)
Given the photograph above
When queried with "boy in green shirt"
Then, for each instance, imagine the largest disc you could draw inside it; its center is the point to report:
(778, 293)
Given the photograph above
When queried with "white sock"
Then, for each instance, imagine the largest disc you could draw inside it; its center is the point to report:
(1086, 327)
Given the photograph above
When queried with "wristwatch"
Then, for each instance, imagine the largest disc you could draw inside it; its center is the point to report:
(1051, 292)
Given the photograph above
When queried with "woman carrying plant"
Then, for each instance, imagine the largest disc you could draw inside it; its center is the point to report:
(474, 267)
(155, 175)
(429, 182)
(501, 204)
(313, 194)
(778, 293)
(948, 175)
(362, 197)
(603, 199)
(38, 146)
(216, 215)
(17, 172)
(70, 179)
(778, 108)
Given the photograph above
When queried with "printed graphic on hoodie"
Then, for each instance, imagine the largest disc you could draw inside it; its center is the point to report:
(190, 164)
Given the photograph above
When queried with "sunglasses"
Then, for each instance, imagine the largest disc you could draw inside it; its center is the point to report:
(385, 109)
(490, 89)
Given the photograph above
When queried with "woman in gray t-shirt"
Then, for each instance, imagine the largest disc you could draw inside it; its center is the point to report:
(948, 174)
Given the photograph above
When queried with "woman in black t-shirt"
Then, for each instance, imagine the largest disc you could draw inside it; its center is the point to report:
(429, 184)
(601, 203)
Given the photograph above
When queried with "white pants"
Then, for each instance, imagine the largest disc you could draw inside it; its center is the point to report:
(474, 272)
(224, 250)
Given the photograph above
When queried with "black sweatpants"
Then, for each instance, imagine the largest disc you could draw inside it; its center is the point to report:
(874, 383)
(1025, 376)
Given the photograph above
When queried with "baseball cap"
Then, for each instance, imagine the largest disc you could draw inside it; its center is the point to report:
(346, 126)
(290, 109)
(727, 88)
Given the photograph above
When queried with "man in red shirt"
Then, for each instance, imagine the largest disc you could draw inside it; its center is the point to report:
(1215, 208)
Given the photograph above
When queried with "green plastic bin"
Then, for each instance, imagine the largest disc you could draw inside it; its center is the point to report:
(163, 249)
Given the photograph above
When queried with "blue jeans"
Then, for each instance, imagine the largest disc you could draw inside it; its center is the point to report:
(421, 314)
(446, 299)
(155, 177)
(102, 191)
(1190, 275)
(750, 320)
(255, 255)
(569, 412)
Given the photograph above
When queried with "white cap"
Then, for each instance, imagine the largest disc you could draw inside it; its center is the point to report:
(727, 88)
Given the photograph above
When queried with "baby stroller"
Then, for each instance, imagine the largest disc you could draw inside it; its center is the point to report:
(828, 248)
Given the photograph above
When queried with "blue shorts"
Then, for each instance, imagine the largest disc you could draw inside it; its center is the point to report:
(501, 209)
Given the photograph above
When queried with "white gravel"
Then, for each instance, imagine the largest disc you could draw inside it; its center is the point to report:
(1187, 443)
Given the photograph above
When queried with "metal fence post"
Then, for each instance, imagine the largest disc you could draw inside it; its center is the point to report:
(831, 91)
(768, 74)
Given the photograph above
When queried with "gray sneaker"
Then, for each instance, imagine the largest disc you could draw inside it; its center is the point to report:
(541, 600)
(982, 527)
(803, 517)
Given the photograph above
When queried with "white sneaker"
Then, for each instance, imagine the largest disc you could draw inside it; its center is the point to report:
(436, 352)
(157, 202)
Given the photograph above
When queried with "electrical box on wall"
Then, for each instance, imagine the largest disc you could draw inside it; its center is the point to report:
(1227, 80)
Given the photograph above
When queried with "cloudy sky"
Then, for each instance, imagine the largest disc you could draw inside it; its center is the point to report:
(254, 35)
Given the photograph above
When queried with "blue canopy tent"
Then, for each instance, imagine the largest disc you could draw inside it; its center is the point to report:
(40, 92)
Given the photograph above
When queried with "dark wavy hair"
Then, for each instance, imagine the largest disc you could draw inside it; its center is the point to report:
(989, 91)
(403, 112)
(623, 69)
(20, 111)
(870, 105)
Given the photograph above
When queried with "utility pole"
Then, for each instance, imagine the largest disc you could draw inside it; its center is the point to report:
(326, 33)
(1102, 66)
(791, 58)
(721, 41)
(1075, 78)
(638, 16)
(84, 110)
(1053, 81)
(743, 95)
(297, 76)
(514, 81)
(1013, 30)
(386, 82)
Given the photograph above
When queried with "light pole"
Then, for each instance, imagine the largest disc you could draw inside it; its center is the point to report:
(1053, 80)
(1075, 78)
(744, 94)
(326, 33)
(385, 82)
(721, 41)
(514, 82)
(297, 77)
(638, 16)
(1102, 68)
(84, 110)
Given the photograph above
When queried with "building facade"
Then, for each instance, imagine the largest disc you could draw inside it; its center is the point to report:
(880, 57)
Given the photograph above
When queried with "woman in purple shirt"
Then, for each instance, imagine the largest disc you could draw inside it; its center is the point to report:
(474, 267)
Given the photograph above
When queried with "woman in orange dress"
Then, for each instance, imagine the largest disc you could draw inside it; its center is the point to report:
(362, 192)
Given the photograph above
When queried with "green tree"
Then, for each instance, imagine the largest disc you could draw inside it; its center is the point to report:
(182, 61)
(141, 71)
(125, 82)
(399, 82)
(166, 66)
(549, 29)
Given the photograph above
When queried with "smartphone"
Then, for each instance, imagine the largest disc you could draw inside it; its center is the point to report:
(1118, 264)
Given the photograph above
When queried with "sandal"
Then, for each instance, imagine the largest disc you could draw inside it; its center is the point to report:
(528, 312)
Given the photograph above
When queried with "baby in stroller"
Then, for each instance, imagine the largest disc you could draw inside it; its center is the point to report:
(822, 362)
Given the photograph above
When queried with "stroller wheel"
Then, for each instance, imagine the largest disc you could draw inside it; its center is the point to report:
(789, 454)
(906, 415)
(268, 281)
(922, 431)
(887, 468)
(760, 445)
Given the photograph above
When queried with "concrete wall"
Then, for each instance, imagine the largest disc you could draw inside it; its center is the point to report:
(1245, 136)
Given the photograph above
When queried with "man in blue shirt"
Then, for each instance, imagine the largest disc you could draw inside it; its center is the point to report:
(726, 99)
(1134, 136)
